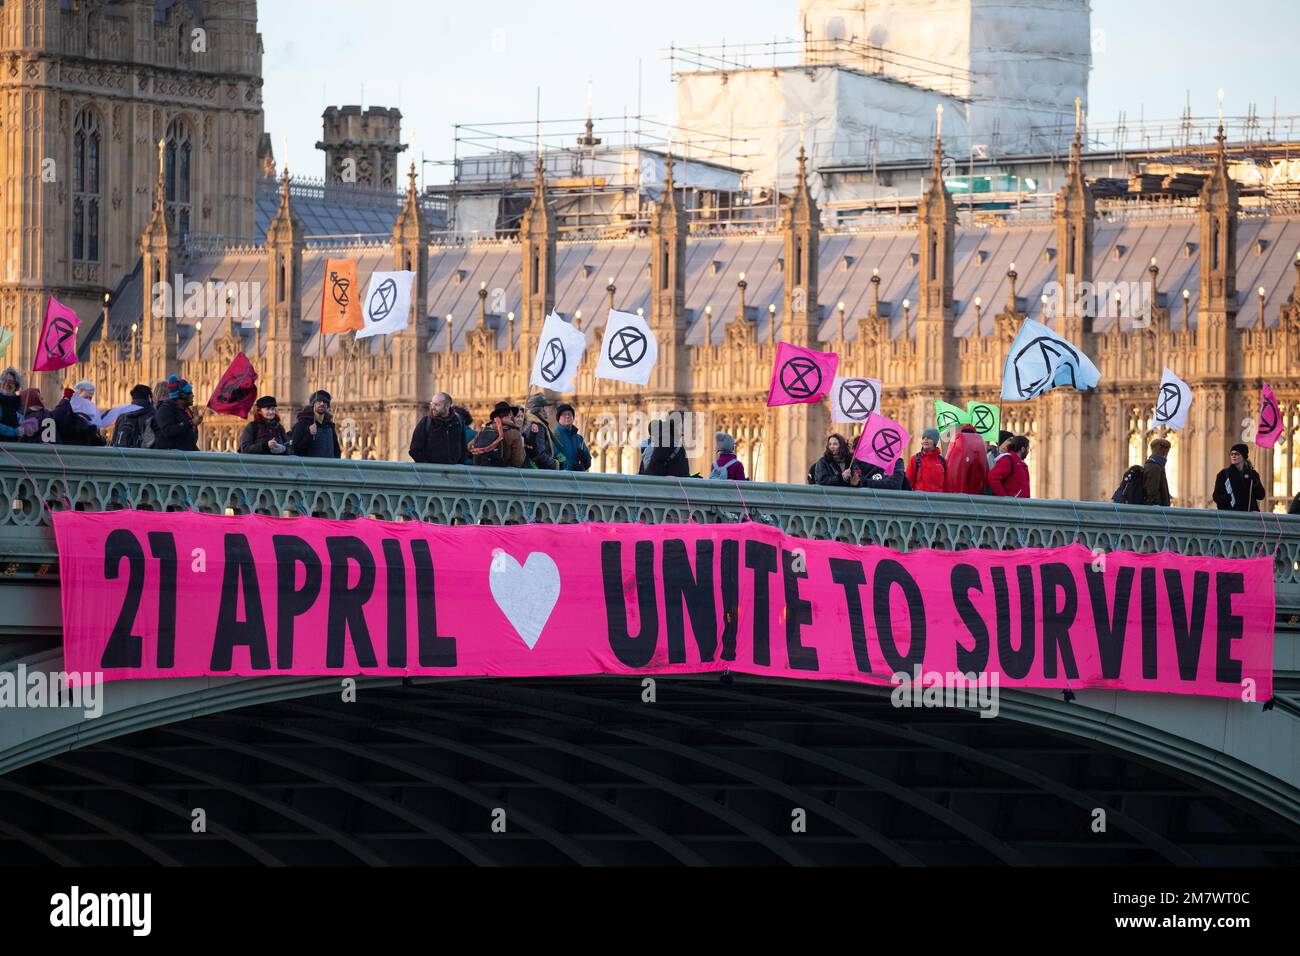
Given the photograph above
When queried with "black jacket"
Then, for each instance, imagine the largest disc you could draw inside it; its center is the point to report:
(439, 441)
(538, 444)
(72, 429)
(666, 463)
(128, 431)
(828, 471)
(257, 437)
(873, 476)
(306, 445)
(1295, 506)
(11, 416)
(1238, 490)
(174, 429)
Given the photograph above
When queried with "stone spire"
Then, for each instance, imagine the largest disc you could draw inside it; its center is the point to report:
(937, 222)
(537, 245)
(801, 224)
(1076, 212)
(282, 335)
(160, 250)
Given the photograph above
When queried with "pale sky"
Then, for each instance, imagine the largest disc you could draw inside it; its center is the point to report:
(483, 62)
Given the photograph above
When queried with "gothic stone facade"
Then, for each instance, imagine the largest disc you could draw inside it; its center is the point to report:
(934, 320)
(87, 91)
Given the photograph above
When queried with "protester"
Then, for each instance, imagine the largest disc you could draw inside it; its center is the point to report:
(1238, 487)
(1010, 475)
(928, 469)
(130, 429)
(1155, 483)
(539, 440)
(727, 467)
(265, 434)
(968, 463)
(35, 415)
(833, 468)
(176, 423)
(514, 454)
(662, 453)
(73, 428)
(11, 405)
(864, 475)
(489, 446)
(314, 435)
(995, 450)
(439, 437)
(577, 456)
(1295, 505)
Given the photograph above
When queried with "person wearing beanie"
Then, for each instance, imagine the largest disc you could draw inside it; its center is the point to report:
(176, 422)
(129, 430)
(1155, 483)
(727, 467)
(314, 434)
(928, 469)
(1238, 487)
(264, 435)
(577, 456)
(539, 439)
(11, 406)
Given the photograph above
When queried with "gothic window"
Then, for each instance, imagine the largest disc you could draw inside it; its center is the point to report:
(177, 165)
(86, 145)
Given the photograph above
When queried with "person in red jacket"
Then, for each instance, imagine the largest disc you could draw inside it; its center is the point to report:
(968, 464)
(928, 470)
(1010, 475)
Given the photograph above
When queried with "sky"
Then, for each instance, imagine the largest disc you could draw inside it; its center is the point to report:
(485, 62)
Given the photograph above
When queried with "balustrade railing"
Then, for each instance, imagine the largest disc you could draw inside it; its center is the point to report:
(36, 481)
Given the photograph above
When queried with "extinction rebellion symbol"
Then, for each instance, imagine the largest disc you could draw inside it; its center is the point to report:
(383, 300)
(553, 360)
(885, 443)
(1268, 414)
(982, 419)
(627, 348)
(801, 378)
(60, 331)
(852, 402)
(1171, 400)
(339, 288)
(1029, 379)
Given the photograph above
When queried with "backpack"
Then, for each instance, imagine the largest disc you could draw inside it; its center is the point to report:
(723, 472)
(1131, 489)
(129, 430)
(485, 449)
(148, 434)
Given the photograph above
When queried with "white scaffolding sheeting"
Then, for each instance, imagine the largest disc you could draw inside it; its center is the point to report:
(767, 108)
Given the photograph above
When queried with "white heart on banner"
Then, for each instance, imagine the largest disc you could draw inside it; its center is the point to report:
(525, 594)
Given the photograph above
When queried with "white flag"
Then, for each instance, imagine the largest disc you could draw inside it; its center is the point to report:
(1173, 402)
(1040, 360)
(853, 400)
(559, 350)
(387, 308)
(629, 350)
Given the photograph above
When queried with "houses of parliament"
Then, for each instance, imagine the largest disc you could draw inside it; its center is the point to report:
(131, 155)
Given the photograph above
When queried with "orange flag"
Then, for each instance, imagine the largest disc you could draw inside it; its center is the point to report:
(340, 308)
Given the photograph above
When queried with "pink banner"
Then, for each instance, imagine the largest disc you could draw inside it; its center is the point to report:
(162, 595)
(883, 442)
(1270, 420)
(801, 376)
(57, 347)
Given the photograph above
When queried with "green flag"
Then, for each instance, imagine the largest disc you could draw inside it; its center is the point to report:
(986, 419)
(949, 417)
(5, 338)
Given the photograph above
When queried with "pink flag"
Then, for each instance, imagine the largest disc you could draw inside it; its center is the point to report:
(883, 442)
(58, 345)
(801, 376)
(1270, 420)
(237, 391)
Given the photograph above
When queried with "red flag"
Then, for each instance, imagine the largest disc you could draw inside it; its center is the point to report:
(801, 376)
(58, 345)
(237, 391)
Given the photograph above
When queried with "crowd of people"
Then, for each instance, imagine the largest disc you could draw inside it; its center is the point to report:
(544, 435)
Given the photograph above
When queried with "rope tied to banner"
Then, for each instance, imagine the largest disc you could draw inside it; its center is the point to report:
(532, 503)
(741, 496)
(36, 493)
(473, 491)
(636, 506)
(582, 499)
(1078, 523)
(690, 508)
